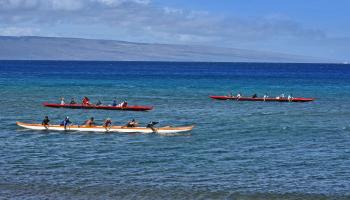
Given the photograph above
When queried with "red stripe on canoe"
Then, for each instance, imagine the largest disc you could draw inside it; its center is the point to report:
(295, 99)
(102, 107)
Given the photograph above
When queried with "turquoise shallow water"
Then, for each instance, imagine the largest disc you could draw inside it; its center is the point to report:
(238, 150)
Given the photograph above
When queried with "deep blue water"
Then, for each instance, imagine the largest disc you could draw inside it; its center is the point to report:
(238, 150)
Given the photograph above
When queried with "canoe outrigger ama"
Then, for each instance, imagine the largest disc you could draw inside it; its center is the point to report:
(118, 129)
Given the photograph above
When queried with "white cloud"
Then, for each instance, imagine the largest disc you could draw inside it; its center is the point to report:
(18, 31)
(68, 5)
(142, 21)
(118, 2)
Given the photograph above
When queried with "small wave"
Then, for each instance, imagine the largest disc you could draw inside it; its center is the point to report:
(174, 134)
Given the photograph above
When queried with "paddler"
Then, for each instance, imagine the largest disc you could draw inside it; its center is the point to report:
(90, 122)
(98, 103)
(123, 104)
(107, 123)
(86, 101)
(132, 123)
(46, 121)
(66, 122)
(72, 101)
(62, 101)
(265, 96)
(239, 95)
(254, 96)
(114, 102)
(290, 97)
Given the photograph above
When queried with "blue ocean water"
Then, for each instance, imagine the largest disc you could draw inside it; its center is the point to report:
(238, 150)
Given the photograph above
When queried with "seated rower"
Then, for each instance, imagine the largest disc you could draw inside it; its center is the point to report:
(265, 97)
(86, 101)
(114, 102)
(254, 96)
(290, 97)
(132, 123)
(123, 104)
(90, 122)
(239, 95)
(62, 101)
(107, 123)
(72, 101)
(98, 103)
(280, 97)
(65, 122)
(46, 121)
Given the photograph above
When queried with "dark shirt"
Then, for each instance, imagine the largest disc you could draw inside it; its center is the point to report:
(45, 122)
(66, 122)
(107, 123)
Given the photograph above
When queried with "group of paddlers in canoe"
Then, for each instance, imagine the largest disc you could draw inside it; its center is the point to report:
(254, 97)
(86, 102)
(282, 96)
(90, 123)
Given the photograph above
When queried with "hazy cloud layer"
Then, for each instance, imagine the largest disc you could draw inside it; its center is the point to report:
(140, 20)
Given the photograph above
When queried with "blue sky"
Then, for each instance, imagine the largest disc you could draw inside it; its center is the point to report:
(318, 28)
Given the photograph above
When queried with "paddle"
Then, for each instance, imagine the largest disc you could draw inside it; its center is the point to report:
(108, 127)
(151, 126)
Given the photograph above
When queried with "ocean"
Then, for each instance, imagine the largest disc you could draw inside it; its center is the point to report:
(237, 150)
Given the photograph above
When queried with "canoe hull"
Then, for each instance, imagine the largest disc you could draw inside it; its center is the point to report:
(117, 129)
(103, 107)
(296, 99)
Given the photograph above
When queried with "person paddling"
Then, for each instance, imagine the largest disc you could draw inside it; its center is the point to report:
(90, 122)
(114, 102)
(86, 101)
(98, 103)
(123, 104)
(132, 123)
(66, 122)
(72, 101)
(46, 122)
(62, 101)
(265, 96)
(107, 123)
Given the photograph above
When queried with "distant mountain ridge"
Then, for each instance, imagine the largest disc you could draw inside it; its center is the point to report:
(55, 48)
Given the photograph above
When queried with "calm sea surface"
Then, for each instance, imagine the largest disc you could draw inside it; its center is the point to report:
(238, 150)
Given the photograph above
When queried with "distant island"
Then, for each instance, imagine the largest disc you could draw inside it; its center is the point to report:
(56, 48)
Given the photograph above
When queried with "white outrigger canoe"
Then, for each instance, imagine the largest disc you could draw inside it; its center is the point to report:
(119, 129)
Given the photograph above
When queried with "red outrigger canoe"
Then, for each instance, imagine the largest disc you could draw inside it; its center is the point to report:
(101, 107)
(294, 99)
